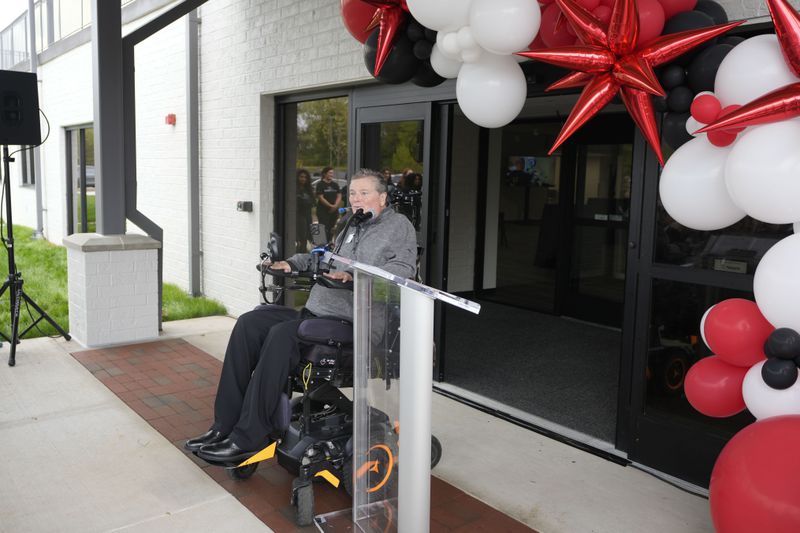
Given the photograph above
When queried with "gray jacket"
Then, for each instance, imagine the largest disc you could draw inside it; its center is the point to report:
(387, 241)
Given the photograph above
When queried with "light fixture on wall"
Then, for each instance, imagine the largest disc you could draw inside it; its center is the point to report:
(171, 119)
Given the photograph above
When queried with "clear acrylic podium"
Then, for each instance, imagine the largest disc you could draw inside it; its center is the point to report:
(393, 333)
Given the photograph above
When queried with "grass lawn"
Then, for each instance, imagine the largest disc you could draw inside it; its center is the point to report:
(44, 269)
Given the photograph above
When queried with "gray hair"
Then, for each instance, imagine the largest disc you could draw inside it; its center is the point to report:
(377, 178)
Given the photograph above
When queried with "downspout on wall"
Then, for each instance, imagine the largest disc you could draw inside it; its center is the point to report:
(193, 150)
(38, 232)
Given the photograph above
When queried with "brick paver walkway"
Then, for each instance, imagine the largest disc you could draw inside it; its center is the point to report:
(171, 384)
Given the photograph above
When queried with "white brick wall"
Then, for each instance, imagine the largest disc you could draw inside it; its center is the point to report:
(160, 148)
(250, 49)
(65, 95)
(113, 296)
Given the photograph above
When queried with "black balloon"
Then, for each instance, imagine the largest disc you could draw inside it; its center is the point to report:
(688, 20)
(703, 69)
(713, 10)
(423, 49)
(660, 104)
(732, 40)
(400, 65)
(779, 373)
(426, 76)
(672, 76)
(783, 343)
(673, 129)
(415, 31)
(430, 35)
(679, 99)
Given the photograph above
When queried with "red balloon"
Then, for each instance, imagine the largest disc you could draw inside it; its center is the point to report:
(721, 138)
(651, 20)
(775, 106)
(736, 330)
(714, 387)
(754, 484)
(706, 108)
(673, 7)
(607, 3)
(551, 35)
(603, 14)
(727, 110)
(589, 4)
(537, 43)
(357, 16)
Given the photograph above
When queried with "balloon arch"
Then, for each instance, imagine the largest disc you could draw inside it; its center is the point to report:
(736, 140)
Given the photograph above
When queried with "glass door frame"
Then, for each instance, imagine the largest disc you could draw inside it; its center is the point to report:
(402, 113)
(70, 177)
(684, 447)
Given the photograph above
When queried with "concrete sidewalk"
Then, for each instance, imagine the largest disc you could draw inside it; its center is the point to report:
(78, 459)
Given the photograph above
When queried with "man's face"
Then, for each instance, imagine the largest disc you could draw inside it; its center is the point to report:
(328, 176)
(363, 194)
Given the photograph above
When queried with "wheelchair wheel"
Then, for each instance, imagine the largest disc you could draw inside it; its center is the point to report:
(436, 451)
(304, 502)
(241, 473)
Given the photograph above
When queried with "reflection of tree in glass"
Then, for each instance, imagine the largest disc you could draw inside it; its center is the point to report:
(400, 145)
(322, 133)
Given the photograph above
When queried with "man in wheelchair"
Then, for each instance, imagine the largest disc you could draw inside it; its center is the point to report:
(263, 346)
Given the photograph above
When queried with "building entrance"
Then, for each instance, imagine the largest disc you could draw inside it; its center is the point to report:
(549, 265)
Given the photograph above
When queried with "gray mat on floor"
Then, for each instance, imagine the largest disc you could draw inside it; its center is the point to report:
(561, 370)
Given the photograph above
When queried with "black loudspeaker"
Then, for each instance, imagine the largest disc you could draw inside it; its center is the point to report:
(19, 109)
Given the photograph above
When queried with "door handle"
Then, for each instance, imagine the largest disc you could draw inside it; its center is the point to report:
(632, 245)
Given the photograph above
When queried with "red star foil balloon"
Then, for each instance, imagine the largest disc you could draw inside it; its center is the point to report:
(780, 104)
(390, 15)
(609, 62)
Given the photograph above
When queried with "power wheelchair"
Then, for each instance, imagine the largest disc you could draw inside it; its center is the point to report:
(314, 431)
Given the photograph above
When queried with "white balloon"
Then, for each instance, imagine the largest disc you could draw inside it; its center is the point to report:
(763, 401)
(450, 45)
(692, 187)
(505, 26)
(692, 125)
(443, 65)
(440, 14)
(763, 172)
(796, 227)
(440, 42)
(776, 283)
(465, 39)
(753, 68)
(491, 91)
(471, 55)
(703, 325)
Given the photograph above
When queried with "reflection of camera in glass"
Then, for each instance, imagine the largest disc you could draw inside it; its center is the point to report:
(399, 196)
(408, 203)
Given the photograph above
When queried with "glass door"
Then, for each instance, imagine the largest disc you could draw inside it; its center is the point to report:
(593, 288)
(80, 181)
(394, 140)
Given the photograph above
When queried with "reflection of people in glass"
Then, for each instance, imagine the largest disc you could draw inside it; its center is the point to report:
(407, 197)
(329, 200)
(516, 174)
(305, 200)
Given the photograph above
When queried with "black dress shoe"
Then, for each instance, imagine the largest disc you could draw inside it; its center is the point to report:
(225, 451)
(209, 437)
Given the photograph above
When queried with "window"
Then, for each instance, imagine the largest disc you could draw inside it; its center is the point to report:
(28, 167)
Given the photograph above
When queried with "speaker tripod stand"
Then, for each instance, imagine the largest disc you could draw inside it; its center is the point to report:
(14, 282)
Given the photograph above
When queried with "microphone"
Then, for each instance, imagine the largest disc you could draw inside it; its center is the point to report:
(362, 216)
(359, 215)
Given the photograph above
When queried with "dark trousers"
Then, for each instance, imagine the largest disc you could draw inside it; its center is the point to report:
(261, 351)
